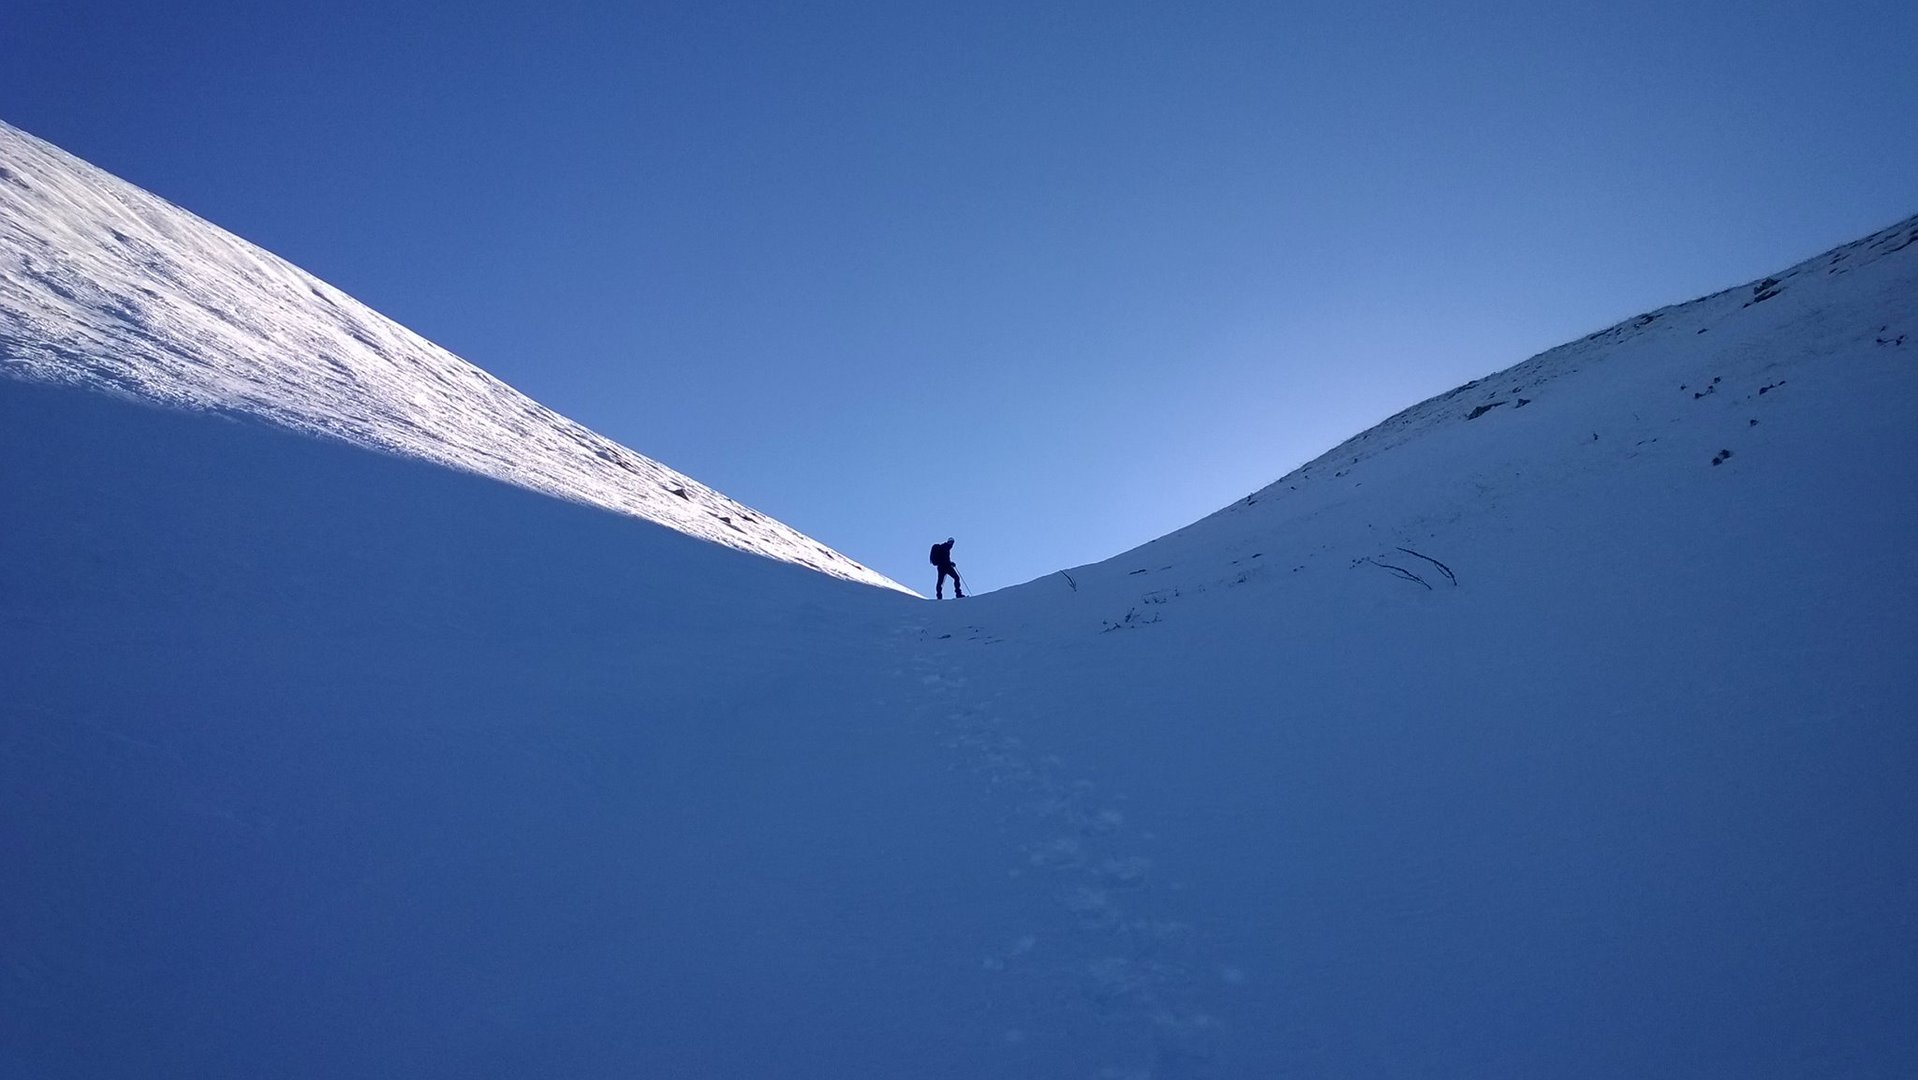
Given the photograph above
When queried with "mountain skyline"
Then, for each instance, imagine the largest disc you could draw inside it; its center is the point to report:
(320, 366)
(1053, 280)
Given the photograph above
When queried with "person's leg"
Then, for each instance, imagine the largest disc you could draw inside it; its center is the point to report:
(939, 589)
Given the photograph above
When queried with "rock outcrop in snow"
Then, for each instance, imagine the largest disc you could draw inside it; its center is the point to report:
(108, 287)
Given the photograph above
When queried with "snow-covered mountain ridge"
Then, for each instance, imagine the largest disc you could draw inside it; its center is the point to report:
(1721, 310)
(105, 286)
(1699, 379)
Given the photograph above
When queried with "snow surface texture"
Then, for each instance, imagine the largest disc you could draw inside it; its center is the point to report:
(106, 286)
(321, 763)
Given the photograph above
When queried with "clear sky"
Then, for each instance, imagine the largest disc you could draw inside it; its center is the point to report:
(1051, 278)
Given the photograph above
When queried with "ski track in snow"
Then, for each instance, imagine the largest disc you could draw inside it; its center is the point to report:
(1131, 958)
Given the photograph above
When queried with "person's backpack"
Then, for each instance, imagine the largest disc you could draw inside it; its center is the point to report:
(936, 560)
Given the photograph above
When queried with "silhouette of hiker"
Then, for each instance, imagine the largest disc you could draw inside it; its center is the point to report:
(942, 558)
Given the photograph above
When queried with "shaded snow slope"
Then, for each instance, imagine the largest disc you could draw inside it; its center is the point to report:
(321, 763)
(106, 286)
(318, 763)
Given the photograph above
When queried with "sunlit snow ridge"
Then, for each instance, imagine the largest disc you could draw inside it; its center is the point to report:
(107, 287)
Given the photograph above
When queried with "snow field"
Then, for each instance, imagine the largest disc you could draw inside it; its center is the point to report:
(316, 762)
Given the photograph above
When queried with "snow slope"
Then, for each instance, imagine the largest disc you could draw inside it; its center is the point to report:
(1625, 793)
(323, 763)
(103, 285)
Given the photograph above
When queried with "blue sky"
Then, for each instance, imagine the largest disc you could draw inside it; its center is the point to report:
(1053, 279)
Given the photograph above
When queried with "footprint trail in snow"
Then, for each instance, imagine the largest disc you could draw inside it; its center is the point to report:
(1109, 942)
